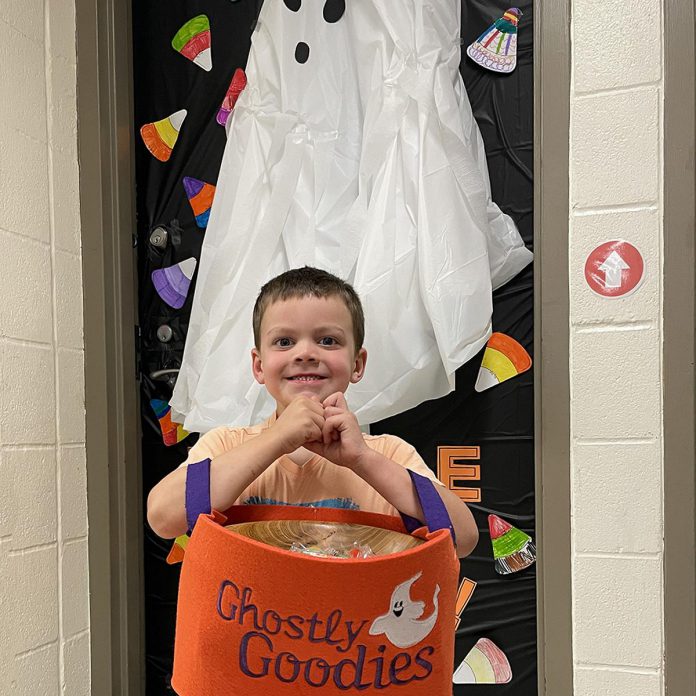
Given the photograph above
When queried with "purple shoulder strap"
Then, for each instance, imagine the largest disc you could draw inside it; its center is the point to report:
(434, 510)
(197, 491)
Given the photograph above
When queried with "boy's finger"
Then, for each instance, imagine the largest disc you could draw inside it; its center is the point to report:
(317, 435)
(331, 429)
(332, 399)
(318, 419)
(327, 433)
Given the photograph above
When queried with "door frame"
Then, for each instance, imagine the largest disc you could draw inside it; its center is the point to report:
(679, 349)
(107, 212)
(552, 75)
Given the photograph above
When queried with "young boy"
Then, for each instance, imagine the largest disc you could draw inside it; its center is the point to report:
(308, 333)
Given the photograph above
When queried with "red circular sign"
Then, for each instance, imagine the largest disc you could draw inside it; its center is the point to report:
(614, 269)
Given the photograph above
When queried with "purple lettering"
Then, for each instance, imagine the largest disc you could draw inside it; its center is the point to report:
(243, 648)
(379, 666)
(313, 623)
(320, 663)
(274, 616)
(228, 604)
(294, 627)
(245, 608)
(425, 664)
(352, 634)
(395, 668)
(291, 660)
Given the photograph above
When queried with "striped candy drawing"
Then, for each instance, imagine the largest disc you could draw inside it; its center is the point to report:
(237, 84)
(503, 359)
(161, 136)
(496, 48)
(173, 283)
(513, 550)
(193, 42)
(172, 433)
(485, 663)
(200, 195)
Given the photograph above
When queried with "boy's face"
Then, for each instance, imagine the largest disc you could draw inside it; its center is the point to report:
(306, 348)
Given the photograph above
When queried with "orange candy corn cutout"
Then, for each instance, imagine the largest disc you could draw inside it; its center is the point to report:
(161, 136)
(503, 359)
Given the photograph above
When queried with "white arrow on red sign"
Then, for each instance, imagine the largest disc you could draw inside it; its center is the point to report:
(614, 269)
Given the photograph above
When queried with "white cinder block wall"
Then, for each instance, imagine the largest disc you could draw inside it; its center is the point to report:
(43, 513)
(615, 369)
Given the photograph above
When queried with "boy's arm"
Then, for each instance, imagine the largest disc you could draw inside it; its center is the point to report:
(392, 481)
(343, 444)
(233, 471)
(230, 474)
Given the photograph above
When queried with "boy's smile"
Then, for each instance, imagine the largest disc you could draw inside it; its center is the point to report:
(307, 348)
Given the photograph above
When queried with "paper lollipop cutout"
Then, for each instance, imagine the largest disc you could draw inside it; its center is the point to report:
(200, 196)
(193, 42)
(496, 48)
(503, 358)
(513, 550)
(160, 137)
(172, 283)
(172, 433)
(485, 664)
(237, 84)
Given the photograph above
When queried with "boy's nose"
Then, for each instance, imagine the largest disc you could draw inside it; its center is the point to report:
(306, 351)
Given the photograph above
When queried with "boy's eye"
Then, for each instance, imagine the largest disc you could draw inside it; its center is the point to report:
(327, 341)
(283, 342)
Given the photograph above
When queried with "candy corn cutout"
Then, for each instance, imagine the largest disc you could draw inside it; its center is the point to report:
(496, 48)
(173, 283)
(513, 550)
(172, 433)
(200, 196)
(485, 663)
(161, 136)
(503, 359)
(193, 42)
(237, 84)
(176, 553)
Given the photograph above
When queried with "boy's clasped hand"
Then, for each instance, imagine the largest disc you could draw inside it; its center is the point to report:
(327, 428)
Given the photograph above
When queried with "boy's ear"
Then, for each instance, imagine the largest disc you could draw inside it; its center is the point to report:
(257, 366)
(359, 366)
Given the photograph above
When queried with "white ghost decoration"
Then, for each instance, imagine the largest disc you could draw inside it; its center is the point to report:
(353, 148)
(402, 624)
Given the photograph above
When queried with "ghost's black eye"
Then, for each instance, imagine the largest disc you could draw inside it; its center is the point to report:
(333, 10)
(293, 5)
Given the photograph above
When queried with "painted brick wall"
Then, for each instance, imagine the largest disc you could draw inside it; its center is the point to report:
(615, 358)
(43, 509)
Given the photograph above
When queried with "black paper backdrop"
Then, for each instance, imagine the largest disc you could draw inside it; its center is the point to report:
(499, 420)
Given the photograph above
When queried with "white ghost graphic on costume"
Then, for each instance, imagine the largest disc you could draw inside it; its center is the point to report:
(401, 623)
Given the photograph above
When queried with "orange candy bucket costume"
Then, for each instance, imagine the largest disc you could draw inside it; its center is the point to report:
(257, 619)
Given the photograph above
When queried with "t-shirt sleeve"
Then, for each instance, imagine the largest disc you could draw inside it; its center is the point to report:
(213, 444)
(403, 453)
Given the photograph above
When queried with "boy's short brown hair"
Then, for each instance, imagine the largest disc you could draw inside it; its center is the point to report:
(304, 282)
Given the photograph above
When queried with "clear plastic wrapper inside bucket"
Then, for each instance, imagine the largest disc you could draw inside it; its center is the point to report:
(332, 544)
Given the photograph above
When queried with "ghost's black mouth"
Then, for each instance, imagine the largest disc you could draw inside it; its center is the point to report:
(398, 612)
(302, 52)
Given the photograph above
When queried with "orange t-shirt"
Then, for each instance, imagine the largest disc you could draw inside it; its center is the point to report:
(319, 482)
